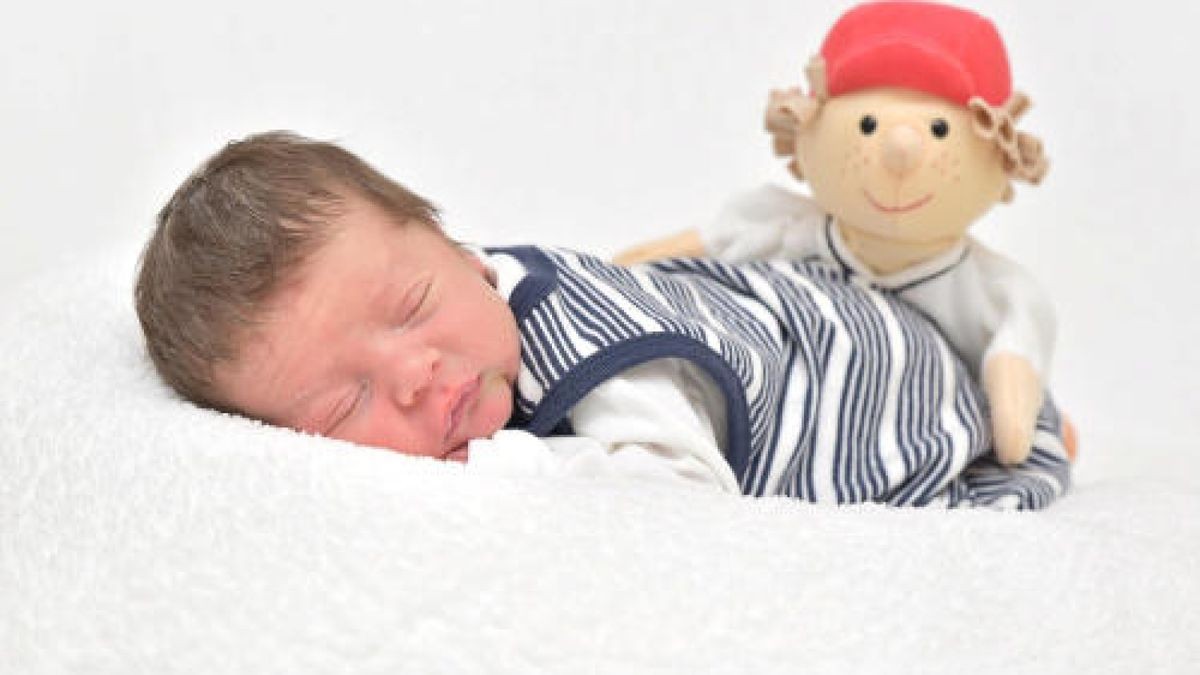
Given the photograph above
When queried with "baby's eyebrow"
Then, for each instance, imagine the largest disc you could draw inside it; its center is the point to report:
(388, 296)
(381, 297)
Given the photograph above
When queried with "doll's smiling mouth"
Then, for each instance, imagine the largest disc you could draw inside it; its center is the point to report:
(912, 206)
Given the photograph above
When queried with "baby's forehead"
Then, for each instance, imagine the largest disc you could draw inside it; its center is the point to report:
(356, 268)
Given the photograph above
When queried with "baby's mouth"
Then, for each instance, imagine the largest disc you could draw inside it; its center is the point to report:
(460, 404)
(903, 208)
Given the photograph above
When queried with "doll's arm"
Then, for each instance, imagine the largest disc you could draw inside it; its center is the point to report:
(1017, 356)
(682, 244)
(1014, 393)
(998, 317)
(764, 223)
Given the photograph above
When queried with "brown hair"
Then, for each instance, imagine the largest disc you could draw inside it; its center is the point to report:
(237, 228)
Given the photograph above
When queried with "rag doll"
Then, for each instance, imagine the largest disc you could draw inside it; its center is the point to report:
(906, 137)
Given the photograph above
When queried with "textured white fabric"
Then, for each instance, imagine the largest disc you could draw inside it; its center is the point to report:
(654, 421)
(983, 303)
(141, 534)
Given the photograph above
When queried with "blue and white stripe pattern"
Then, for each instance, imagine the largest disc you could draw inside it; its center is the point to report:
(835, 392)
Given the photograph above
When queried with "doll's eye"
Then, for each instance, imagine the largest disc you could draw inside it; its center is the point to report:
(867, 124)
(939, 128)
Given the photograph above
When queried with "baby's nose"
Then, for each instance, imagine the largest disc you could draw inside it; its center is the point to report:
(414, 377)
(902, 149)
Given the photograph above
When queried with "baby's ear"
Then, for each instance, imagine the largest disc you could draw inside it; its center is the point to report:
(788, 112)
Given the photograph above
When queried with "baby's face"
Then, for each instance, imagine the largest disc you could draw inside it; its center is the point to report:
(389, 336)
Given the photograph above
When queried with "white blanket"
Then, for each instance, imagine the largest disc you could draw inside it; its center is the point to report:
(141, 534)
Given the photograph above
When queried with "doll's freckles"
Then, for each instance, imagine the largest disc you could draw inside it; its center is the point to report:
(945, 164)
(853, 165)
(856, 160)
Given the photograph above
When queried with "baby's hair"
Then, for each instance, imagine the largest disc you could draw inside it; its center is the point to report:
(790, 110)
(232, 234)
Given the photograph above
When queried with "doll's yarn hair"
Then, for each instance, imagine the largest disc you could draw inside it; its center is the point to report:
(1022, 152)
(789, 111)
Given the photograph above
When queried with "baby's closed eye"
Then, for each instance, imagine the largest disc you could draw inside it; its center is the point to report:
(415, 303)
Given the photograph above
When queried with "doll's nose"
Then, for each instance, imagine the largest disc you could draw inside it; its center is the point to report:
(902, 149)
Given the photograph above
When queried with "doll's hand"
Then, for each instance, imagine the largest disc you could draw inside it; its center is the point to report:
(1014, 393)
(683, 244)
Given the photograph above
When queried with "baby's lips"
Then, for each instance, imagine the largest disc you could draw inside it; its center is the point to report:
(459, 405)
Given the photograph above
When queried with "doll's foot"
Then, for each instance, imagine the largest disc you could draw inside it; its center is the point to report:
(1070, 438)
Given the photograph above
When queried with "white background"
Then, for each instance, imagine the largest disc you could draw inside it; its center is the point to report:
(598, 124)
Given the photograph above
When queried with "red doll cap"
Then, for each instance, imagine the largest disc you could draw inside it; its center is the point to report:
(938, 49)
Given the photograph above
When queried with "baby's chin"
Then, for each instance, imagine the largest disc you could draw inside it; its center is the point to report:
(458, 454)
(491, 414)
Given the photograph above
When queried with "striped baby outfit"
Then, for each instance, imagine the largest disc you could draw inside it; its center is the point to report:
(834, 392)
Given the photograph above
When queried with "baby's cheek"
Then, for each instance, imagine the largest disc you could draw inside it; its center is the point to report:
(383, 428)
(495, 405)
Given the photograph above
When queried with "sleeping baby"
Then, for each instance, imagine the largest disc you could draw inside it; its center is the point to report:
(290, 282)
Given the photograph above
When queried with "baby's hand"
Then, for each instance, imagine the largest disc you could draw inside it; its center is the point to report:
(1014, 393)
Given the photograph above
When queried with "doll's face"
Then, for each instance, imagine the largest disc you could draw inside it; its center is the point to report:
(900, 165)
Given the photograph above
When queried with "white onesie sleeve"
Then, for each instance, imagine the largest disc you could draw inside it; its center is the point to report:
(658, 421)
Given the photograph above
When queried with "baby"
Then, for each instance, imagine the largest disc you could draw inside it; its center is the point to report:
(289, 281)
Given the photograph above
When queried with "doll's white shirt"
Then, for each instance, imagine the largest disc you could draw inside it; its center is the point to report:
(983, 303)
